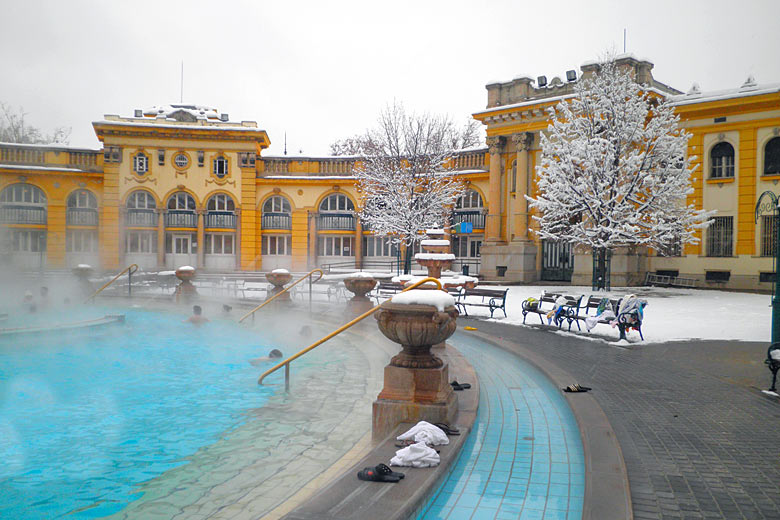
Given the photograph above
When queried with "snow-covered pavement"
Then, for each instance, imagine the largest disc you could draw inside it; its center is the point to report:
(671, 314)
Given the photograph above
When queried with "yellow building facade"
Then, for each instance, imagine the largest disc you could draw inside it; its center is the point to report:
(184, 185)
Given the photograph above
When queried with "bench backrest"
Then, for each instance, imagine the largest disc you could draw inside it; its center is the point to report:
(493, 293)
(594, 301)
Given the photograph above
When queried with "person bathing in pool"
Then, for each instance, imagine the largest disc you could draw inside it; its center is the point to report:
(197, 317)
(274, 355)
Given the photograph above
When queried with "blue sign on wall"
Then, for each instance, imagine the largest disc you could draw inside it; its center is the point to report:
(466, 227)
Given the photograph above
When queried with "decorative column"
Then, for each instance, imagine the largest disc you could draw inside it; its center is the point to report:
(161, 212)
(358, 243)
(237, 240)
(312, 239)
(201, 237)
(493, 225)
(122, 230)
(522, 142)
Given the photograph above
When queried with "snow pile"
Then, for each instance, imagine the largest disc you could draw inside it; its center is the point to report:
(434, 256)
(438, 299)
(280, 271)
(434, 242)
(434, 232)
(186, 268)
(361, 274)
(196, 111)
(671, 315)
(83, 266)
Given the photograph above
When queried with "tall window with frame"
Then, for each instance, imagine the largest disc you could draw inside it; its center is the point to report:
(140, 163)
(379, 246)
(220, 243)
(276, 245)
(335, 246)
(220, 169)
(768, 235)
(722, 161)
(81, 241)
(141, 242)
(772, 157)
(720, 237)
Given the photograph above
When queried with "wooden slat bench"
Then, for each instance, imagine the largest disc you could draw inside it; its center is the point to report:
(546, 303)
(496, 300)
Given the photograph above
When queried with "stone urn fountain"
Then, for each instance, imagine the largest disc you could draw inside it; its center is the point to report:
(359, 284)
(82, 273)
(279, 278)
(416, 383)
(185, 291)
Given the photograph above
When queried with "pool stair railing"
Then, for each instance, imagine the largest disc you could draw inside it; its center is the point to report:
(286, 362)
(108, 319)
(130, 270)
(286, 289)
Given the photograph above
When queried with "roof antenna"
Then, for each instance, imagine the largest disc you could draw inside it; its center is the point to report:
(285, 143)
(181, 92)
(624, 40)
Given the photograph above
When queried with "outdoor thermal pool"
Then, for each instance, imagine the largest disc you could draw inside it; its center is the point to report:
(155, 414)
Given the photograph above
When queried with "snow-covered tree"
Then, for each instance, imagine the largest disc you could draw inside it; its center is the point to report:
(405, 175)
(14, 129)
(614, 171)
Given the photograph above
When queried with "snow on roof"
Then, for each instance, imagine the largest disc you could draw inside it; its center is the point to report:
(624, 56)
(304, 177)
(171, 123)
(196, 111)
(526, 103)
(749, 88)
(44, 168)
(55, 146)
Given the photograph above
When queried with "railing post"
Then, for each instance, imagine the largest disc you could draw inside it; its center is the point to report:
(130, 283)
(287, 377)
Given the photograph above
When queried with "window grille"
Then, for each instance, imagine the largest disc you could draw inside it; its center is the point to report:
(768, 235)
(722, 158)
(140, 164)
(181, 160)
(671, 248)
(719, 237)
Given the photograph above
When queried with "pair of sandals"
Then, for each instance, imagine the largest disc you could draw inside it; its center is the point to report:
(576, 387)
(459, 386)
(380, 473)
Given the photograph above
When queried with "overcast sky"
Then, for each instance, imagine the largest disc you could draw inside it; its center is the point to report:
(322, 70)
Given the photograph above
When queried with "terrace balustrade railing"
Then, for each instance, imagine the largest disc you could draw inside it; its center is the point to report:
(277, 221)
(181, 219)
(476, 218)
(221, 219)
(141, 218)
(340, 222)
(81, 217)
(10, 214)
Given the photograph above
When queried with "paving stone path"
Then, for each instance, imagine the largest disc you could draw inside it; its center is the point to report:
(698, 437)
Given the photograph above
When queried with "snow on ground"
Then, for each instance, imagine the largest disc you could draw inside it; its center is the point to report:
(671, 314)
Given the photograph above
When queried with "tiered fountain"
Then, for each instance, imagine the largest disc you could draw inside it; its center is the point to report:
(279, 278)
(436, 253)
(185, 291)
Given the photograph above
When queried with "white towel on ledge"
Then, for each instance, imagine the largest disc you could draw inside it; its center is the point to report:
(418, 455)
(425, 432)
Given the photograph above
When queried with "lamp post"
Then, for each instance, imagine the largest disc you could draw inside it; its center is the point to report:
(775, 208)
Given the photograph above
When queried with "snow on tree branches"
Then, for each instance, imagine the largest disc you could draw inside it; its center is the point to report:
(614, 170)
(405, 175)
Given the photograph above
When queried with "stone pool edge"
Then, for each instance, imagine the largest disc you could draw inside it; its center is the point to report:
(607, 492)
(347, 497)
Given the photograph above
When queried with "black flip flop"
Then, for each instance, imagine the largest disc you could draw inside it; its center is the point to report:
(576, 388)
(447, 429)
(460, 386)
(372, 475)
(384, 469)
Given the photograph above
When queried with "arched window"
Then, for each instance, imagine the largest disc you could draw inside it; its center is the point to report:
(140, 209)
(181, 201)
(336, 212)
(221, 202)
(336, 203)
(772, 157)
(23, 194)
(221, 212)
(141, 200)
(469, 200)
(82, 199)
(82, 209)
(722, 161)
(22, 204)
(276, 213)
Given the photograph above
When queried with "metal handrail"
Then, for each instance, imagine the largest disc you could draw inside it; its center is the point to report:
(286, 362)
(275, 296)
(127, 269)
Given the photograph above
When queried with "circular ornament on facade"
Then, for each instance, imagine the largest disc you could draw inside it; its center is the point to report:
(181, 161)
(300, 192)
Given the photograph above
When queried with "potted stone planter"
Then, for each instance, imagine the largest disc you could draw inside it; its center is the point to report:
(279, 278)
(360, 286)
(185, 290)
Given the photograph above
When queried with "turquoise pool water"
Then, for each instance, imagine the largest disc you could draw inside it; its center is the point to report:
(86, 416)
(524, 458)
